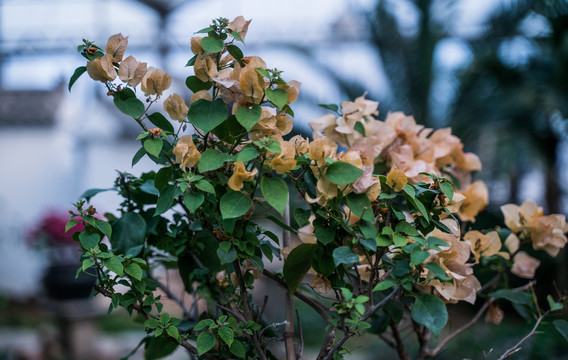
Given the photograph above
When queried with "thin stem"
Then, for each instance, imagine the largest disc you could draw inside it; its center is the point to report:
(402, 354)
(348, 334)
(517, 347)
(247, 308)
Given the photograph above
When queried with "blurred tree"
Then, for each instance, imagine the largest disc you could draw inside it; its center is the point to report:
(513, 94)
(516, 91)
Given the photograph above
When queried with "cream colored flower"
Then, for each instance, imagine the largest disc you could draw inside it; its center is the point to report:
(205, 67)
(176, 107)
(524, 265)
(201, 94)
(285, 160)
(518, 217)
(116, 46)
(155, 81)
(483, 244)
(240, 25)
(240, 175)
(396, 179)
(548, 233)
(186, 153)
(477, 198)
(102, 69)
(132, 71)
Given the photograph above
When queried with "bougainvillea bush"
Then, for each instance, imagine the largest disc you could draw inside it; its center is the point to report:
(382, 244)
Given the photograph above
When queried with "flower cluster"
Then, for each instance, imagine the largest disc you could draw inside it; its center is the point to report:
(386, 213)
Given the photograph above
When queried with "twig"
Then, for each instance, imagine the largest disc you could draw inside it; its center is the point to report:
(472, 322)
(368, 313)
(402, 354)
(261, 312)
(138, 307)
(289, 304)
(516, 348)
(246, 304)
(238, 315)
(169, 294)
(301, 347)
(273, 325)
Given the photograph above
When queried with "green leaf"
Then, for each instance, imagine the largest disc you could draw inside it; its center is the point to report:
(227, 257)
(205, 323)
(104, 227)
(138, 156)
(399, 240)
(302, 216)
(430, 311)
(114, 264)
(134, 270)
(163, 176)
(89, 241)
(297, 264)
(400, 269)
(206, 186)
(263, 72)
(553, 304)
(359, 128)
(206, 115)
(516, 297)
(193, 200)
(236, 35)
(191, 61)
(360, 205)
(212, 45)
(165, 199)
(78, 72)
(275, 191)
(153, 146)
(418, 256)
(87, 195)
(211, 160)
(236, 52)
(238, 349)
(70, 224)
(195, 85)
(419, 206)
(87, 263)
(127, 102)
(344, 255)
(248, 117)
(173, 331)
(227, 335)
(383, 285)
(205, 342)
(437, 271)
(342, 173)
(159, 347)
(324, 235)
(280, 223)
(160, 121)
(332, 107)
(406, 228)
(435, 243)
(151, 323)
(204, 30)
(278, 97)
(246, 154)
(562, 327)
(234, 204)
(128, 232)
(447, 189)
(368, 229)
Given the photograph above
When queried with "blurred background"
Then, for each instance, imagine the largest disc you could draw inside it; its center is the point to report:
(496, 71)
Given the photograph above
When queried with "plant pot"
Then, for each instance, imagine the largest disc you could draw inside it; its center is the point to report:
(60, 283)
